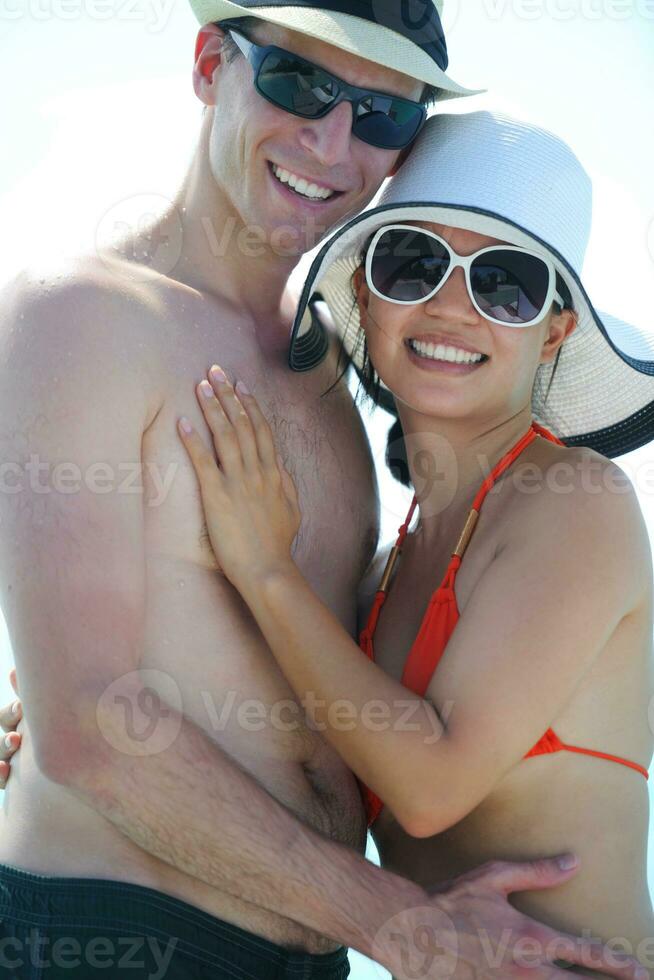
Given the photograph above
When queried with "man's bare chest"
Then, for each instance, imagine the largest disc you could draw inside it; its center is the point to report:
(319, 436)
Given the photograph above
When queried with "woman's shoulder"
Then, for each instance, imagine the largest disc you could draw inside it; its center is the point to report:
(569, 477)
(581, 502)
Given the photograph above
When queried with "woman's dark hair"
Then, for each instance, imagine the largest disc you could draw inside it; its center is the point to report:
(396, 456)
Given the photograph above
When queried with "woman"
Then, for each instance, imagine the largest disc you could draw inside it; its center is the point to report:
(516, 725)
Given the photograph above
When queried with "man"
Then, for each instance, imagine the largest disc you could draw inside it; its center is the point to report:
(173, 808)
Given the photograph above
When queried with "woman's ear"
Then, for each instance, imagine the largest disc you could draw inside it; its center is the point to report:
(361, 292)
(561, 326)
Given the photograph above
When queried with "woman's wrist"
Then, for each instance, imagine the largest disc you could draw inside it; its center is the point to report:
(264, 577)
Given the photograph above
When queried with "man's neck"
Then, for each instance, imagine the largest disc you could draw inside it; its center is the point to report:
(223, 258)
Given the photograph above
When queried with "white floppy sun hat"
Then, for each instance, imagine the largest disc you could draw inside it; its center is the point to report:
(509, 180)
(406, 36)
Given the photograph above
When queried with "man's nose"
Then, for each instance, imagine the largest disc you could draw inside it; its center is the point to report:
(329, 138)
(452, 301)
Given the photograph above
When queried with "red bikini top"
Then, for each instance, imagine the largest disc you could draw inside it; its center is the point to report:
(443, 614)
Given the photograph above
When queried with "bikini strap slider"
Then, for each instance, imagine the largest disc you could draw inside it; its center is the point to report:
(466, 534)
(388, 571)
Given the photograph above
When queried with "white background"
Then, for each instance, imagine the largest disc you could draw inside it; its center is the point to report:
(97, 107)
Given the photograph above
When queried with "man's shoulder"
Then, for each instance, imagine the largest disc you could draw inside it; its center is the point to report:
(84, 287)
(79, 314)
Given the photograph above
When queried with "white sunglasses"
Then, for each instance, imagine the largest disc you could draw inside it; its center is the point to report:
(507, 284)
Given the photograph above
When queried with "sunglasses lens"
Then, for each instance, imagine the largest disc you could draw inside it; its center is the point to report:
(296, 85)
(387, 122)
(408, 265)
(510, 286)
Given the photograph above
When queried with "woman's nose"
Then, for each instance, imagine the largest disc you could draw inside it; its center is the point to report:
(453, 300)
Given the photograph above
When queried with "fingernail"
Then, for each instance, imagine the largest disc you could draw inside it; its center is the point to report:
(14, 707)
(218, 374)
(8, 741)
(567, 862)
(206, 389)
(242, 389)
(186, 425)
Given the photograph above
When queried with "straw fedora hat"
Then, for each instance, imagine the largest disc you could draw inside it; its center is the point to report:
(407, 36)
(515, 182)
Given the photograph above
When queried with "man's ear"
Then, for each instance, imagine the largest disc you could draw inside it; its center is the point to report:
(561, 326)
(405, 153)
(208, 56)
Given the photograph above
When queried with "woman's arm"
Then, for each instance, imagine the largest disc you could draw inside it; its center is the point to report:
(540, 631)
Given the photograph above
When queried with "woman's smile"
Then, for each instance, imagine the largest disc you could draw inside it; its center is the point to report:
(444, 358)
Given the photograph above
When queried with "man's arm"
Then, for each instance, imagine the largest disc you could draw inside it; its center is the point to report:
(72, 586)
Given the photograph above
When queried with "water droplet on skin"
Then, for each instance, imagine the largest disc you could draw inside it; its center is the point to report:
(22, 316)
(181, 583)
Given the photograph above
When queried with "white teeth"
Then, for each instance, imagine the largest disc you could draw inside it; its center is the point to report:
(302, 186)
(442, 353)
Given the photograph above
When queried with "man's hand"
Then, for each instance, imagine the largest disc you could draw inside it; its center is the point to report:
(10, 716)
(469, 931)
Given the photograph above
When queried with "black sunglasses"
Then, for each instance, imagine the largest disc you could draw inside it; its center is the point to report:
(304, 89)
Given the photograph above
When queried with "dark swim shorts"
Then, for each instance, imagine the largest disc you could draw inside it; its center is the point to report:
(86, 928)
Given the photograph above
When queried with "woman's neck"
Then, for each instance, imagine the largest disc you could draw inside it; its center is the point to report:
(450, 458)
